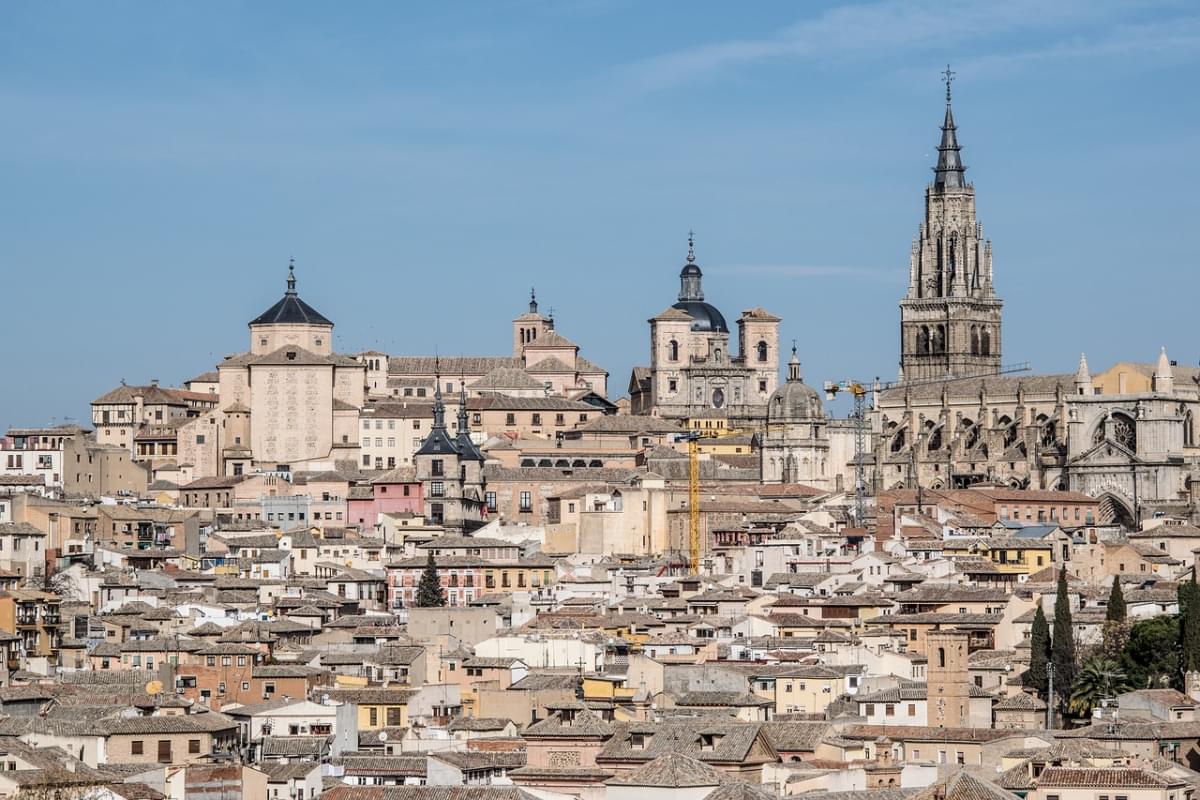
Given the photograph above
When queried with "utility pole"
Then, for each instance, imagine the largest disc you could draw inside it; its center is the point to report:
(1049, 695)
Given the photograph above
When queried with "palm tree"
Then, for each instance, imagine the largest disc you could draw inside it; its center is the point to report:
(1099, 678)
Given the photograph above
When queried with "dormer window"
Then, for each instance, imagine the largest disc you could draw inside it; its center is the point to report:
(708, 741)
(291, 355)
(637, 741)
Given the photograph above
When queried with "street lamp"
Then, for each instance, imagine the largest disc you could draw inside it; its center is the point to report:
(1049, 695)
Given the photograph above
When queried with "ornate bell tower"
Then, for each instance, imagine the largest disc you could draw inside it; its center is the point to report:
(950, 318)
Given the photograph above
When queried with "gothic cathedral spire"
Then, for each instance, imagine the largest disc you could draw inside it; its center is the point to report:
(950, 317)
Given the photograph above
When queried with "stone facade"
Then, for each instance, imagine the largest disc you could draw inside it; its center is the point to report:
(950, 317)
(796, 446)
(290, 402)
(1135, 451)
(693, 369)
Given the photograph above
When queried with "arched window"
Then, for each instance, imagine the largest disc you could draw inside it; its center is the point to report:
(974, 340)
(942, 657)
(673, 350)
(762, 351)
(923, 340)
(939, 339)
(985, 343)
(1189, 430)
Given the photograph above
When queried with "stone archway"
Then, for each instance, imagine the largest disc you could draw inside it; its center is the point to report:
(1115, 510)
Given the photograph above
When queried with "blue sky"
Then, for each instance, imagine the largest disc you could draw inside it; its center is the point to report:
(426, 164)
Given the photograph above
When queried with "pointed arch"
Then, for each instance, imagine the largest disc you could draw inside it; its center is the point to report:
(985, 342)
(1114, 510)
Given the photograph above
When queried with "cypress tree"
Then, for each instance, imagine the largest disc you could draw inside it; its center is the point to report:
(1189, 626)
(429, 590)
(1062, 649)
(1039, 646)
(1116, 603)
(1116, 628)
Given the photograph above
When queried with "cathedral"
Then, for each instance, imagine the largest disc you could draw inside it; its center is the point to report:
(693, 370)
(1126, 436)
(950, 318)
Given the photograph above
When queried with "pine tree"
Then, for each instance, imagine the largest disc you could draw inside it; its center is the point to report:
(429, 590)
(1116, 627)
(1039, 655)
(1062, 648)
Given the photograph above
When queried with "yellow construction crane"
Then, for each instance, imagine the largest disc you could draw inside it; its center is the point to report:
(693, 438)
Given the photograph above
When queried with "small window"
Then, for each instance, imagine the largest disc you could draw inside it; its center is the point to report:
(194, 744)
(137, 747)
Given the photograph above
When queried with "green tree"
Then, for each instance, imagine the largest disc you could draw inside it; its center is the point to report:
(1116, 626)
(1062, 647)
(1116, 603)
(1189, 626)
(429, 590)
(1098, 678)
(1039, 655)
(1151, 656)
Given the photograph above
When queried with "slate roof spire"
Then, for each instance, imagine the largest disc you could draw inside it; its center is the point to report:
(439, 407)
(462, 442)
(690, 275)
(290, 309)
(948, 174)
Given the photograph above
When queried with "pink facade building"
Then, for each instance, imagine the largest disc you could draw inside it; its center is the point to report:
(395, 492)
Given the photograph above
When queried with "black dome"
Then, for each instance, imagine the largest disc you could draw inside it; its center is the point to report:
(705, 317)
(290, 310)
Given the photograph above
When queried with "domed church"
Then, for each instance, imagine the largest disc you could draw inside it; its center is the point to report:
(796, 445)
(693, 369)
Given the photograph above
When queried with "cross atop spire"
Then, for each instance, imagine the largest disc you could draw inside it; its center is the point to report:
(948, 77)
(291, 278)
(532, 300)
(691, 256)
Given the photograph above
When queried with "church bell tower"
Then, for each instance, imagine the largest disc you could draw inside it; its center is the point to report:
(950, 317)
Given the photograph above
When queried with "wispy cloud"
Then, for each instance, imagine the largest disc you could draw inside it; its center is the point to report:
(878, 30)
(803, 271)
(1153, 42)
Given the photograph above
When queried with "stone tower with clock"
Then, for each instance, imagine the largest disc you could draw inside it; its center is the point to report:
(950, 317)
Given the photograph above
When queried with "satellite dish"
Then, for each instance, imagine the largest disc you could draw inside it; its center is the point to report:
(154, 687)
(383, 737)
